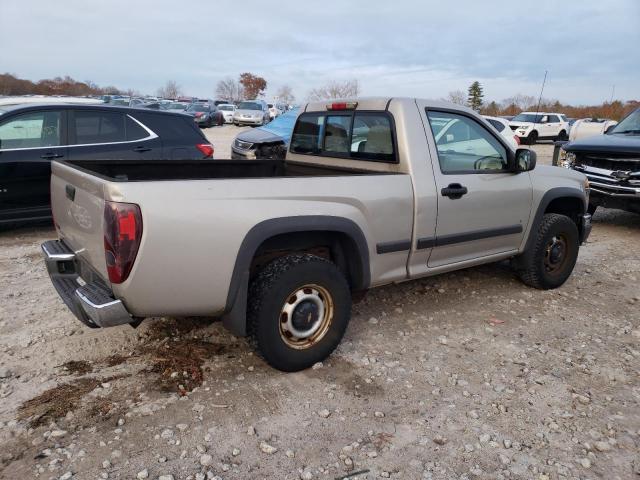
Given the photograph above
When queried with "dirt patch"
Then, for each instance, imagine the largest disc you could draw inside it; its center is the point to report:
(55, 402)
(77, 367)
(114, 360)
(176, 327)
(179, 364)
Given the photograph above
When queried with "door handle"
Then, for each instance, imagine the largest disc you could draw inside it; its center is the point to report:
(141, 149)
(51, 155)
(454, 191)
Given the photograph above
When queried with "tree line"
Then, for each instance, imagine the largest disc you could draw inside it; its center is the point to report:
(249, 86)
(474, 98)
(12, 85)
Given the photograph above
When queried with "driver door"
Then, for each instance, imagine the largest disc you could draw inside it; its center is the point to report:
(483, 207)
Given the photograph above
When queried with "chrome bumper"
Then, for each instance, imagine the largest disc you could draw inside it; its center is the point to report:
(92, 303)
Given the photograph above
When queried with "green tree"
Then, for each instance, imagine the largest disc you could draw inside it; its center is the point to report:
(475, 95)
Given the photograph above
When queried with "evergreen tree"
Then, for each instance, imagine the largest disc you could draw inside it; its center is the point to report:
(475, 95)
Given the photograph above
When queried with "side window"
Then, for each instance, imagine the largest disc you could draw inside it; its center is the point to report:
(553, 119)
(98, 127)
(336, 134)
(464, 146)
(134, 130)
(31, 130)
(308, 134)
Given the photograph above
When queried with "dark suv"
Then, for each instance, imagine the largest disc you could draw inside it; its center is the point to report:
(33, 135)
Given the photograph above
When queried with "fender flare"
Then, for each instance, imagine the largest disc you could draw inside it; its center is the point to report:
(547, 198)
(234, 316)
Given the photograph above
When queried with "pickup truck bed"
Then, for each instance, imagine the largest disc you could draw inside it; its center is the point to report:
(174, 170)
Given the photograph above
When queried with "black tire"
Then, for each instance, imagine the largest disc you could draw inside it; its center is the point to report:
(553, 255)
(562, 135)
(532, 138)
(280, 285)
(210, 123)
(591, 209)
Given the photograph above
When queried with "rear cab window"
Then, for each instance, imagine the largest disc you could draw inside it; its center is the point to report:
(358, 135)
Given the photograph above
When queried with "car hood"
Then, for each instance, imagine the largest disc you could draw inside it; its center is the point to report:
(259, 135)
(257, 113)
(611, 143)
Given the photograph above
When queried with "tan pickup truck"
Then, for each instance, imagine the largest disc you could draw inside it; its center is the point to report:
(371, 192)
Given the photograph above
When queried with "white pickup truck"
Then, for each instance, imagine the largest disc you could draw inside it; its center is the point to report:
(373, 191)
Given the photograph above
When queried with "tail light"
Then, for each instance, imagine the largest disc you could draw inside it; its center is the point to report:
(206, 149)
(199, 114)
(517, 139)
(122, 236)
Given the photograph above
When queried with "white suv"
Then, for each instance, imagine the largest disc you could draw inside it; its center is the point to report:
(532, 126)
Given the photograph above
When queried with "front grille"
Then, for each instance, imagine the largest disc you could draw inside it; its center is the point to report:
(514, 127)
(609, 162)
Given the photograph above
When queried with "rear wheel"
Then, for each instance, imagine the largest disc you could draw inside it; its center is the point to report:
(298, 310)
(532, 138)
(553, 254)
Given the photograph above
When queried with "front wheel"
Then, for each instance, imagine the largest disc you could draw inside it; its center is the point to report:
(551, 258)
(298, 309)
(562, 135)
(532, 138)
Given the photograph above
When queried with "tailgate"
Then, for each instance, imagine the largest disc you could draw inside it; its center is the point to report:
(77, 203)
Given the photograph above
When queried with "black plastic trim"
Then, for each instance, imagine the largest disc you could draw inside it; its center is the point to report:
(234, 317)
(426, 242)
(390, 247)
(477, 235)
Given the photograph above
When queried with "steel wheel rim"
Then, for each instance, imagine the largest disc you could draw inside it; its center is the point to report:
(556, 254)
(312, 305)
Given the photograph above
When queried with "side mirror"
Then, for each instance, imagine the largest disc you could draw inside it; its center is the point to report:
(609, 128)
(525, 160)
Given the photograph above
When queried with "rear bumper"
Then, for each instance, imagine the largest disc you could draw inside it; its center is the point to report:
(90, 299)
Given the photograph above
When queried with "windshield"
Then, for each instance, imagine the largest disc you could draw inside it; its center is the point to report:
(629, 124)
(176, 106)
(198, 108)
(249, 106)
(226, 108)
(527, 117)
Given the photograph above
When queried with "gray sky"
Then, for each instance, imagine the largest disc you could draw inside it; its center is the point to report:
(393, 47)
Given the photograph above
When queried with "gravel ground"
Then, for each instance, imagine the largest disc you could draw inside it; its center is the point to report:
(469, 375)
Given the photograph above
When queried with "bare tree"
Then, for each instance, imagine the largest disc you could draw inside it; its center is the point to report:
(523, 102)
(457, 96)
(229, 89)
(285, 94)
(335, 89)
(171, 89)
